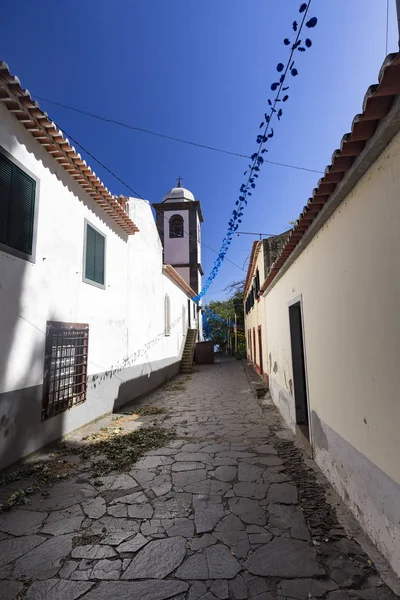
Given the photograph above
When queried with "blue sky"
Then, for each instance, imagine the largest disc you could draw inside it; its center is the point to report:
(201, 71)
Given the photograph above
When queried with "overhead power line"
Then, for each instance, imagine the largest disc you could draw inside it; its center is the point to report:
(255, 233)
(137, 195)
(170, 137)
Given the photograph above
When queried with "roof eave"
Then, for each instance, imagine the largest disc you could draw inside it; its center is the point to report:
(370, 133)
(28, 113)
(178, 280)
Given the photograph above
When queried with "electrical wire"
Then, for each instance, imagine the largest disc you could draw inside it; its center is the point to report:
(170, 137)
(137, 195)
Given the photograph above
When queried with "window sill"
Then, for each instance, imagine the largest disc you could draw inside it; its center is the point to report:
(16, 253)
(102, 286)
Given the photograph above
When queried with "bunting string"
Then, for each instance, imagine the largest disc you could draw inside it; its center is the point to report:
(275, 109)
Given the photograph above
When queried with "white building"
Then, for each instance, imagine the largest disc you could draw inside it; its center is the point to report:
(90, 317)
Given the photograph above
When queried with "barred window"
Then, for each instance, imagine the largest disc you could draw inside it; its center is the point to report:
(65, 367)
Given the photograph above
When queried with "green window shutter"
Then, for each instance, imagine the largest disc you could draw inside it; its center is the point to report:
(95, 250)
(90, 251)
(5, 196)
(17, 206)
(99, 259)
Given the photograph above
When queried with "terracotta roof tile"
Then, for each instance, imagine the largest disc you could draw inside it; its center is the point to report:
(27, 111)
(376, 105)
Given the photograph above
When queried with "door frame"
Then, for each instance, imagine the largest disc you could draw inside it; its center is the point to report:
(249, 355)
(308, 444)
(260, 349)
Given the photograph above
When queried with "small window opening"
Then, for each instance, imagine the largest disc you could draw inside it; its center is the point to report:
(176, 226)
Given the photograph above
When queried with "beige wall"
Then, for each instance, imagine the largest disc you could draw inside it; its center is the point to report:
(349, 280)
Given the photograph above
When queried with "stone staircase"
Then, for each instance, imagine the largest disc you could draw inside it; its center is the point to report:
(188, 351)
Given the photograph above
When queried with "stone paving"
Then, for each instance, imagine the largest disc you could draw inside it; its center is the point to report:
(225, 511)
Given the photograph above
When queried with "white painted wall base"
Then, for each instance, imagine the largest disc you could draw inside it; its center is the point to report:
(284, 402)
(372, 496)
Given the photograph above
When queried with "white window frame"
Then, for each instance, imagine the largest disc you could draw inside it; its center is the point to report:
(102, 286)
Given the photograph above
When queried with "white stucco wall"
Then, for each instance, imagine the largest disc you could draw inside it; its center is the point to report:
(349, 280)
(127, 347)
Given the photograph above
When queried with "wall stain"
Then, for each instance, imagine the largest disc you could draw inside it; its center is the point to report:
(319, 435)
(270, 362)
(291, 387)
(275, 367)
(365, 421)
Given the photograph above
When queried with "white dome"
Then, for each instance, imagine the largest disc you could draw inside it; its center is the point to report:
(178, 194)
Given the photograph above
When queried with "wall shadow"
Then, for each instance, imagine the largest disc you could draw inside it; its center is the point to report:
(22, 431)
(133, 389)
(21, 361)
(158, 373)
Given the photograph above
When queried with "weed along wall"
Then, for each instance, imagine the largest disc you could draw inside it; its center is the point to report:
(351, 338)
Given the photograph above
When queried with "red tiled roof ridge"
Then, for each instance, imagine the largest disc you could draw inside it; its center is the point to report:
(169, 269)
(377, 103)
(28, 112)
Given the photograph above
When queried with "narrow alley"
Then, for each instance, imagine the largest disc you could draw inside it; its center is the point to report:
(227, 508)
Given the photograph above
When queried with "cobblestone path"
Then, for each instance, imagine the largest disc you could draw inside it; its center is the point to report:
(228, 510)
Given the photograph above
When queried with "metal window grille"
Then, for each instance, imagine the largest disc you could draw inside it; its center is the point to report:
(65, 367)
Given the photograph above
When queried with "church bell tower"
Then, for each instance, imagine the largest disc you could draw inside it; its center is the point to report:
(179, 219)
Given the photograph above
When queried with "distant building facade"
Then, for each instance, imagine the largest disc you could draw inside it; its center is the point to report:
(263, 255)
